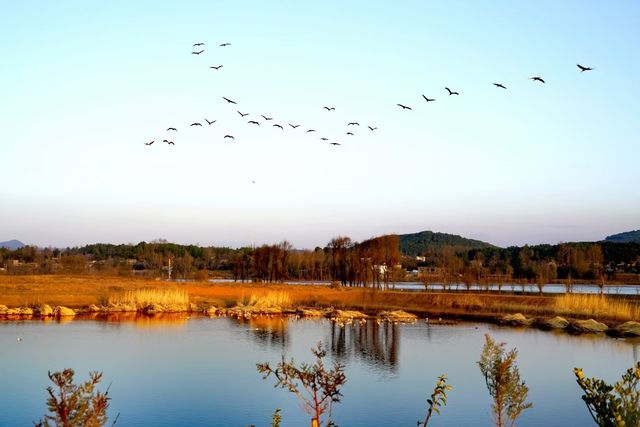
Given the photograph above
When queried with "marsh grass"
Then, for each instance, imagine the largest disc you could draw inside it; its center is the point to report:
(597, 306)
(168, 297)
(271, 299)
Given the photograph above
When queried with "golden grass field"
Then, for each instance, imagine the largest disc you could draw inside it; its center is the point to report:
(81, 291)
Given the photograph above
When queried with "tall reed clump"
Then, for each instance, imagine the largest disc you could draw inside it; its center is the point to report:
(271, 299)
(597, 306)
(146, 297)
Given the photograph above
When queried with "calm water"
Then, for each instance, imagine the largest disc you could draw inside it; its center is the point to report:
(180, 371)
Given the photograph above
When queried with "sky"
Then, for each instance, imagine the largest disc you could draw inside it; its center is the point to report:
(84, 85)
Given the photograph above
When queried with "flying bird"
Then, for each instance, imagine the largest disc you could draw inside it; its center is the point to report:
(404, 107)
(229, 136)
(372, 129)
(253, 122)
(198, 44)
(583, 69)
(197, 52)
(243, 114)
(210, 122)
(428, 99)
(168, 142)
(334, 143)
(500, 85)
(218, 67)
(536, 78)
(266, 118)
(349, 133)
(353, 124)
(149, 143)
(311, 130)
(195, 124)
(225, 44)
(229, 101)
(324, 139)
(172, 129)
(278, 126)
(451, 92)
(294, 126)
(329, 108)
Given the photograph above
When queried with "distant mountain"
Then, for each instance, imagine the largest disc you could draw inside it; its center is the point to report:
(12, 244)
(417, 243)
(626, 237)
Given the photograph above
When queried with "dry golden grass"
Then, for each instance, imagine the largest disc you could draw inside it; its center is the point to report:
(80, 291)
(272, 299)
(597, 306)
(147, 296)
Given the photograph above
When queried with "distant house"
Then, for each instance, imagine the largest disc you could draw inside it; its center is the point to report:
(421, 258)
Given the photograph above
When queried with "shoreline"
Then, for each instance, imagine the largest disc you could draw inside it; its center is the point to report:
(86, 295)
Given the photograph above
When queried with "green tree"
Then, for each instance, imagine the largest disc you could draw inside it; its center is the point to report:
(437, 399)
(502, 377)
(74, 405)
(612, 405)
(316, 387)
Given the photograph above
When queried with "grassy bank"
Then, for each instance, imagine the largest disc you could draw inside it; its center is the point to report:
(82, 291)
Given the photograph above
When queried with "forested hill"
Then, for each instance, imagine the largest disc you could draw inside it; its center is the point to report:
(417, 243)
(627, 237)
(12, 244)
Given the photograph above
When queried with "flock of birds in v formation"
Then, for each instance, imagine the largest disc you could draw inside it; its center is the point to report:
(329, 109)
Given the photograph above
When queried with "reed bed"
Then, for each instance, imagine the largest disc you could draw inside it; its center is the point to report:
(597, 306)
(169, 297)
(271, 299)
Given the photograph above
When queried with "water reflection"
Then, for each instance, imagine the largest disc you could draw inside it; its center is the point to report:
(376, 343)
(269, 332)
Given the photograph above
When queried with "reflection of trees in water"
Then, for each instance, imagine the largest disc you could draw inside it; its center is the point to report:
(376, 343)
(268, 332)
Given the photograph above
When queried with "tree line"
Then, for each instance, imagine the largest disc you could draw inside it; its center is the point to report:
(373, 262)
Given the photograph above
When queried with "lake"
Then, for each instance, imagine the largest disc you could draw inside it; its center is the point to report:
(199, 371)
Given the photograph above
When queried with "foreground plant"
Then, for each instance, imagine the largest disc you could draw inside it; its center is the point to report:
(438, 399)
(612, 405)
(502, 377)
(316, 387)
(74, 405)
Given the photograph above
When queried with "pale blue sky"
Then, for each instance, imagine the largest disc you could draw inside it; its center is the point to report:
(85, 84)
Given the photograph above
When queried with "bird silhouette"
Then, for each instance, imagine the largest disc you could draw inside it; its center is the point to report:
(253, 122)
(349, 133)
(324, 139)
(243, 114)
(210, 122)
(329, 108)
(404, 107)
(536, 78)
(353, 124)
(198, 52)
(217, 68)
(334, 143)
(172, 129)
(451, 92)
(266, 118)
(372, 129)
(500, 85)
(229, 101)
(229, 136)
(225, 44)
(168, 142)
(583, 69)
(311, 130)
(195, 124)
(149, 143)
(278, 126)
(198, 44)
(428, 99)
